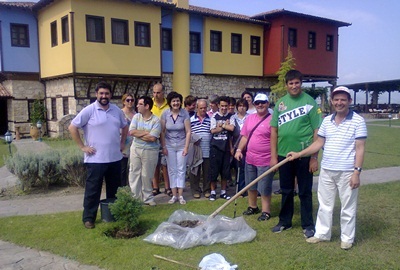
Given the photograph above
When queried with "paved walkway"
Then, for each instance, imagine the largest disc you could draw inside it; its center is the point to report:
(16, 257)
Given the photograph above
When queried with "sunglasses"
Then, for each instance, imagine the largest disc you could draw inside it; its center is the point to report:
(259, 102)
(129, 100)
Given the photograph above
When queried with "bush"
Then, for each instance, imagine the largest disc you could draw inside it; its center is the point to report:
(64, 167)
(73, 168)
(126, 209)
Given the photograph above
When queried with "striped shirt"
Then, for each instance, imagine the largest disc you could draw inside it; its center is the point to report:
(340, 141)
(202, 128)
(152, 125)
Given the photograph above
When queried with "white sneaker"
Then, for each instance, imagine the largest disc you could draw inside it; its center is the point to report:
(173, 200)
(182, 200)
(345, 245)
(314, 240)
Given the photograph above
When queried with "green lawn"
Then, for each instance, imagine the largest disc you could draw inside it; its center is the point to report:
(377, 238)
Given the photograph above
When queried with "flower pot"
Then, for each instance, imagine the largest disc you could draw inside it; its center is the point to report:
(34, 132)
(106, 215)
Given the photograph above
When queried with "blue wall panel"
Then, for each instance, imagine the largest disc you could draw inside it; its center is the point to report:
(196, 59)
(167, 56)
(19, 59)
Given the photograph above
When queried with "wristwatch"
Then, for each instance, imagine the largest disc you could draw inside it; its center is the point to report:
(358, 169)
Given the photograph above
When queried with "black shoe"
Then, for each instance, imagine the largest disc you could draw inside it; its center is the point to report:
(264, 216)
(251, 211)
(213, 197)
(225, 196)
(280, 228)
(277, 192)
(308, 233)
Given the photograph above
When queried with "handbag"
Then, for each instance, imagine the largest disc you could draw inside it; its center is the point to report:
(250, 134)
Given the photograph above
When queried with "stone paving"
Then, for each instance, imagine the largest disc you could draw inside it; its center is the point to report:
(15, 257)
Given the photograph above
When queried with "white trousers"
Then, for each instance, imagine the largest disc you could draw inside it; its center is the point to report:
(176, 165)
(141, 171)
(328, 184)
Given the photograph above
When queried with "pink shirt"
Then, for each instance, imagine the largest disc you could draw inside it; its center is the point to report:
(259, 147)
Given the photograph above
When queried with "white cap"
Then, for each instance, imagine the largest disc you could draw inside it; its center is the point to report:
(261, 97)
(341, 89)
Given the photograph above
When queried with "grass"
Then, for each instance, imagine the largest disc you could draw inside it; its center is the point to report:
(377, 238)
(393, 122)
(382, 147)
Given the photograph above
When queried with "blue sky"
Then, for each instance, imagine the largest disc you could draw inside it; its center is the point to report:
(369, 49)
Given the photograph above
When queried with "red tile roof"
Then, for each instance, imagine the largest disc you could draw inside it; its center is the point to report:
(223, 14)
(279, 12)
(25, 5)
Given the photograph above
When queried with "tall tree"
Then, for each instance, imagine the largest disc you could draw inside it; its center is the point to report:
(278, 90)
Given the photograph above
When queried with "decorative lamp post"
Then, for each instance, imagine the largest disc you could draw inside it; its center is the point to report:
(390, 119)
(8, 138)
(39, 126)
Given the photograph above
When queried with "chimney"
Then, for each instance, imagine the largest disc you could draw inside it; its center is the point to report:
(179, 3)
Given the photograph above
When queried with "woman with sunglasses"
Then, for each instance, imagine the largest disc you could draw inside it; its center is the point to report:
(128, 103)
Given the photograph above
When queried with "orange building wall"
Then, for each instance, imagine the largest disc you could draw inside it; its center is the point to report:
(318, 62)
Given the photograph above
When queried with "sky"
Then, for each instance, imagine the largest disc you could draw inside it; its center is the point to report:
(369, 49)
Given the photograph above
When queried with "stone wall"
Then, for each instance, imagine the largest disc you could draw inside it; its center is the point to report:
(17, 107)
(207, 85)
(201, 86)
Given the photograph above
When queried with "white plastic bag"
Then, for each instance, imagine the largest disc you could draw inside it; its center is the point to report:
(215, 261)
(220, 229)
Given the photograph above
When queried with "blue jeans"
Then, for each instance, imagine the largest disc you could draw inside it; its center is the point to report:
(96, 172)
(297, 168)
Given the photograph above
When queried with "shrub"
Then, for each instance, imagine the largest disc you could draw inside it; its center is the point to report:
(25, 167)
(126, 209)
(64, 166)
(72, 166)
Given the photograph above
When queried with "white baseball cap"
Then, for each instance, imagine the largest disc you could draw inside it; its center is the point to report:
(341, 89)
(261, 97)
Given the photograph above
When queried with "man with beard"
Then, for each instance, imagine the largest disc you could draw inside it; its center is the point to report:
(104, 129)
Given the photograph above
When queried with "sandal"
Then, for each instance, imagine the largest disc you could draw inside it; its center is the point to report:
(156, 191)
(264, 216)
(251, 211)
(168, 191)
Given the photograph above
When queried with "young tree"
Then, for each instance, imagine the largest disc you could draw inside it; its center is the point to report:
(279, 89)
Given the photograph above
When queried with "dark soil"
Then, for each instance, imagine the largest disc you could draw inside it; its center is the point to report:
(188, 223)
(124, 233)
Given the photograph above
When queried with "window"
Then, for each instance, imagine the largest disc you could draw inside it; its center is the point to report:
(19, 35)
(53, 109)
(53, 29)
(292, 37)
(329, 43)
(236, 43)
(255, 45)
(216, 41)
(65, 106)
(195, 41)
(167, 39)
(142, 34)
(94, 29)
(65, 29)
(312, 40)
(119, 32)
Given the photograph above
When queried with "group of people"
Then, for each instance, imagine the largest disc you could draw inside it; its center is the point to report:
(164, 136)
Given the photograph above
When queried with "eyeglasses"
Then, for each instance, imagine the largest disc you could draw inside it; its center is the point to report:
(260, 102)
(129, 100)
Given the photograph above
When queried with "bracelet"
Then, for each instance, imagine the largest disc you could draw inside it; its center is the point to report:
(238, 150)
(314, 157)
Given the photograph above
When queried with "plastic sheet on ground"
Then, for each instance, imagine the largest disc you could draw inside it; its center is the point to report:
(207, 232)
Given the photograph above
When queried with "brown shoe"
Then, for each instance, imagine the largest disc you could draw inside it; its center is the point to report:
(196, 196)
(89, 225)
(207, 194)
